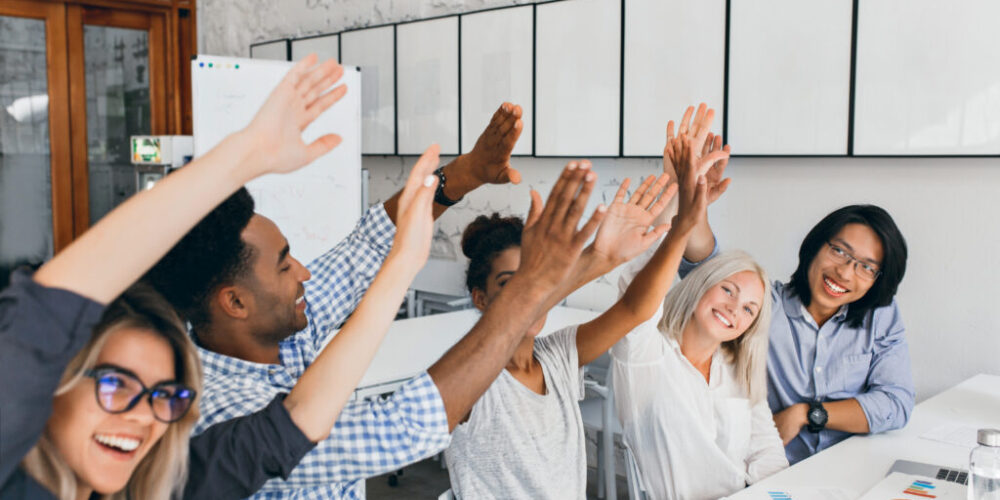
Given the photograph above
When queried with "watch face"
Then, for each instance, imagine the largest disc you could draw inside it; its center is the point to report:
(816, 416)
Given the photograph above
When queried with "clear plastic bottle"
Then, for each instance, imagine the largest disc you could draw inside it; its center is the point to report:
(984, 467)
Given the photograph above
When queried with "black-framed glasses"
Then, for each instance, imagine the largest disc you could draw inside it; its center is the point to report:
(861, 268)
(118, 390)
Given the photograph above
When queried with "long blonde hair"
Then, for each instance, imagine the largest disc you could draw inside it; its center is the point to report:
(163, 471)
(748, 352)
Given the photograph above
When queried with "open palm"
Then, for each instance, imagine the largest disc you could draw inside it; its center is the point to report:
(625, 232)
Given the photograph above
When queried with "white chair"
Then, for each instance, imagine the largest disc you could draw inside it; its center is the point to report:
(598, 413)
(636, 491)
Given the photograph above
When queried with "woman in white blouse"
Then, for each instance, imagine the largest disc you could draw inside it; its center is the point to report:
(690, 386)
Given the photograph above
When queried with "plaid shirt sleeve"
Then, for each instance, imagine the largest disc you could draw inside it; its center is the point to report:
(341, 275)
(375, 437)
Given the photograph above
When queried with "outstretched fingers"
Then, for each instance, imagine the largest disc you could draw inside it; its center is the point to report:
(321, 104)
(664, 200)
(622, 191)
(578, 199)
(420, 174)
(321, 146)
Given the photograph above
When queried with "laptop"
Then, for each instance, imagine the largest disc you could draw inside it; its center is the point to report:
(918, 481)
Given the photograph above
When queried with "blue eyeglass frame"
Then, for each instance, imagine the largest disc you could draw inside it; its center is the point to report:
(99, 371)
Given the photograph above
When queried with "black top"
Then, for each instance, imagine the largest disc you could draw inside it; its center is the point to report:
(41, 329)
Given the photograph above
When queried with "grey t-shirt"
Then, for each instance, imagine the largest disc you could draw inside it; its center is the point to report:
(521, 444)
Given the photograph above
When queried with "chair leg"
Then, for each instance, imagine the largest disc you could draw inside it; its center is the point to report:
(610, 488)
(600, 466)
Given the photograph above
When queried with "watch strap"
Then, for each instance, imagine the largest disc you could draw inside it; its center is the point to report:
(439, 197)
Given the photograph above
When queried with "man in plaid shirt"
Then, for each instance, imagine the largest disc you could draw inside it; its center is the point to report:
(259, 327)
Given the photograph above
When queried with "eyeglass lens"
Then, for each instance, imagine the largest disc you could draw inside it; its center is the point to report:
(118, 392)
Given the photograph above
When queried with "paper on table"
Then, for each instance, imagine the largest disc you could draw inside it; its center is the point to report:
(909, 487)
(806, 493)
(954, 434)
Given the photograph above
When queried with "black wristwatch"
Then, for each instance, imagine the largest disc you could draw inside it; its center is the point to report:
(817, 417)
(439, 196)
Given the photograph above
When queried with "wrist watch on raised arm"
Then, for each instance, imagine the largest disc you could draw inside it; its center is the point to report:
(439, 197)
(816, 416)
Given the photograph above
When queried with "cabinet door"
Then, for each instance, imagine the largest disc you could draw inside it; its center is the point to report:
(117, 80)
(36, 210)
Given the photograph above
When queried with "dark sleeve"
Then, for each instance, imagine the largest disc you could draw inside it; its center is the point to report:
(233, 459)
(41, 329)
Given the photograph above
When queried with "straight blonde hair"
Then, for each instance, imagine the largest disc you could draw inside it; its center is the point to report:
(748, 352)
(162, 473)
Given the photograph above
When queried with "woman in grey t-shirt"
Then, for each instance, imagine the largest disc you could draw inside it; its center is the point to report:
(524, 438)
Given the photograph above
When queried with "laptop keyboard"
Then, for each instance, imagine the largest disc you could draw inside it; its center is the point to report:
(953, 476)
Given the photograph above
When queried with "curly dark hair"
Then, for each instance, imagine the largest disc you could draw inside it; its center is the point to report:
(485, 238)
(211, 255)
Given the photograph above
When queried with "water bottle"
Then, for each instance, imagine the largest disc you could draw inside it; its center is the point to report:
(984, 467)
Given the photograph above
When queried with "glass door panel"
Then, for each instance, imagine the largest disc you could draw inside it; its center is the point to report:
(118, 106)
(26, 219)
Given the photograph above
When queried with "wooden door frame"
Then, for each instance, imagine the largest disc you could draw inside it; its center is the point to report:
(160, 72)
(57, 85)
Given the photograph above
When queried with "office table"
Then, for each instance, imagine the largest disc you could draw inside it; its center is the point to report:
(413, 345)
(860, 462)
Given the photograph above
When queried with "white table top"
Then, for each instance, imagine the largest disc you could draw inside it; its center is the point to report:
(860, 462)
(413, 345)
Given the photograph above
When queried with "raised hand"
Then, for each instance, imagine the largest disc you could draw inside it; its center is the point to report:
(491, 154)
(415, 217)
(693, 199)
(626, 231)
(275, 133)
(551, 243)
(704, 143)
(713, 176)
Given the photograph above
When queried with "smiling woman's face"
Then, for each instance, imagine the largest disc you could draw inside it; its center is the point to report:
(103, 449)
(729, 307)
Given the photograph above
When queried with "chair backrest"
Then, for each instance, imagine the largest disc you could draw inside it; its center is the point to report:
(447, 495)
(636, 491)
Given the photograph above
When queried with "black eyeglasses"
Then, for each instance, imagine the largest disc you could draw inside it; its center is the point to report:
(119, 390)
(861, 268)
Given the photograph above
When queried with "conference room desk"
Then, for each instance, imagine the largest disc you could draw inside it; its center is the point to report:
(857, 464)
(413, 345)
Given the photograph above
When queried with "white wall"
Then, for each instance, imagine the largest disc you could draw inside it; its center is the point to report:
(946, 208)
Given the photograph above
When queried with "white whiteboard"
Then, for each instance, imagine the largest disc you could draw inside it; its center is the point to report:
(373, 51)
(675, 57)
(496, 67)
(789, 76)
(275, 51)
(316, 206)
(427, 85)
(928, 78)
(577, 85)
(326, 47)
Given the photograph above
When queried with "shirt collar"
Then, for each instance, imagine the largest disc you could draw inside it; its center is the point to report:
(796, 309)
(715, 373)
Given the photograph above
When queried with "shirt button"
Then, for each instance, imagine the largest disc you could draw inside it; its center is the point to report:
(819, 369)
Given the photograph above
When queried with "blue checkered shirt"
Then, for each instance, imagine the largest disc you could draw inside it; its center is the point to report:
(370, 437)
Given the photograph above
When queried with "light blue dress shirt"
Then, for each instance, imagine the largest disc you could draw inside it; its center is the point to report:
(834, 362)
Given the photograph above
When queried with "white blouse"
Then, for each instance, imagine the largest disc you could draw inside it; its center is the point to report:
(691, 439)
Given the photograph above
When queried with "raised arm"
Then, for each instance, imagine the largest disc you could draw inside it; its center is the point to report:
(550, 247)
(702, 241)
(645, 294)
(319, 395)
(124, 244)
(487, 163)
